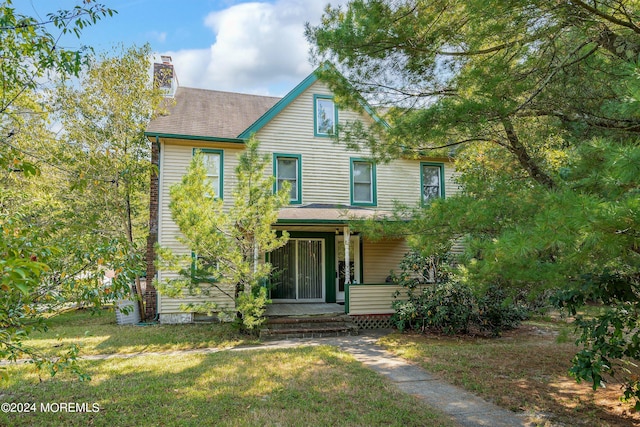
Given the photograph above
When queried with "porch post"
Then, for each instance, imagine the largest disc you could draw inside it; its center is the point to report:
(347, 261)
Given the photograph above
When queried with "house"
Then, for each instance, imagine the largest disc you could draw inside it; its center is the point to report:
(329, 184)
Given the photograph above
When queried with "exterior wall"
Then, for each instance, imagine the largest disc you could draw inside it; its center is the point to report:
(325, 179)
(174, 161)
(380, 258)
(326, 165)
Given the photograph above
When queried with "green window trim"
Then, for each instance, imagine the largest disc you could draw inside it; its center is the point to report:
(440, 166)
(374, 190)
(194, 260)
(221, 177)
(316, 99)
(298, 157)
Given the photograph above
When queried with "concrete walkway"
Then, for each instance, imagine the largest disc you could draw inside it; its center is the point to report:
(463, 407)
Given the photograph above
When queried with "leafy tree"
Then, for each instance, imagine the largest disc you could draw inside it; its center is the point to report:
(30, 52)
(537, 101)
(226, 244)
(107, 163)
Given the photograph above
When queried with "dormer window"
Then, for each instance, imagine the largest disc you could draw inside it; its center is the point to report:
(326, 115)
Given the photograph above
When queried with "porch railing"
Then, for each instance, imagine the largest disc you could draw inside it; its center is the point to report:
(371, 298)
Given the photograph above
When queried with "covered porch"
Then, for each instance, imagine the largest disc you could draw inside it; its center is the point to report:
(324, 255)
(327, 269)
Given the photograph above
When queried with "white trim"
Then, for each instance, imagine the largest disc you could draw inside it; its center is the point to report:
(355, 243)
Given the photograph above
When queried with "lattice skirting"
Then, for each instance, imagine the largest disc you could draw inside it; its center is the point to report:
(372, 321)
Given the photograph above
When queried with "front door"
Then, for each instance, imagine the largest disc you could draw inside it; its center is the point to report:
(354, 264)
(298, 271)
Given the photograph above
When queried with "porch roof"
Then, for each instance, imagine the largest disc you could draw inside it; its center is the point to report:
(327, 214)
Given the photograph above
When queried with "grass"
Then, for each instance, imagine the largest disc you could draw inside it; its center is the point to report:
(319, 386)
(99, 334)
(524, 370)
(302, 386)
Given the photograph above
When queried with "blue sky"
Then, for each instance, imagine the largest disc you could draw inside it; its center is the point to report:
(242, 46)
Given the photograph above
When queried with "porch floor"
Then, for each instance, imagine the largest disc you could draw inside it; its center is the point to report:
(303, 309)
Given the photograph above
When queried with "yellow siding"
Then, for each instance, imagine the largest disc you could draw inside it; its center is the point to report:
(326, 165)
(173, 165)
(325, 179)
(373, 299)
(381, 257)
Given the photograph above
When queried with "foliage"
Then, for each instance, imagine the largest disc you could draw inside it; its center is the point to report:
(442, 307)
(497, 312)
(416, 269)
(610, 339)
(538, 103)
(22, 298)
(448, 305)
(30, 51)
(226, 242)
(106, 161)
(31, 55)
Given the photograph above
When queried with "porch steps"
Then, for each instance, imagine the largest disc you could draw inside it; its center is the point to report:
(308, 327)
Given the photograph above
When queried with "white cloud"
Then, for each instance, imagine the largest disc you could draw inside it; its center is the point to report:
(259, 48)
(158, 36)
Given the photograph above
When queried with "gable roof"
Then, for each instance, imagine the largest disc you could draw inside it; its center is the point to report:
(279, 106)
(232, 117)
(210, 114)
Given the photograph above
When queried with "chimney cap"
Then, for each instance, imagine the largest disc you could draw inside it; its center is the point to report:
(166, 59)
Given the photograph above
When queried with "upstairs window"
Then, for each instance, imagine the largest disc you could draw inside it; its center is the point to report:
(213, 161)
(326, 115)
(432, 179)
(288, 168)
(363, 182)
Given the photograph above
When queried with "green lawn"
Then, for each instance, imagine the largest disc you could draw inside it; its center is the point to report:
(99, 334)
(319, 386)
(311, 386)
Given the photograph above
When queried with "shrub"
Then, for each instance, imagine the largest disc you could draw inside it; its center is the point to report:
(448, 306)
(496, 313)
(443, 307)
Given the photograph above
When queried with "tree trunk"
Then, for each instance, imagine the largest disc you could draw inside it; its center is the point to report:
(520, 151)
(131, 246)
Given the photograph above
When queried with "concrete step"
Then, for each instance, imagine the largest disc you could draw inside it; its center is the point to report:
(308, 327)
(307, 319)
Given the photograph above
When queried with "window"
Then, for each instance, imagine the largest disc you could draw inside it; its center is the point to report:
(288, 168)
(326, 115)
(363, 182)
(432, 180)
(213, 163)
(204, 270)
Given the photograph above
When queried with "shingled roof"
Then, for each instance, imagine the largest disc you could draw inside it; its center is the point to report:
(211, 113)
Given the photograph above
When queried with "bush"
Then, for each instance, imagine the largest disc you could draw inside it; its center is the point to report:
(448, 306)
(496, 313)
(443, 307)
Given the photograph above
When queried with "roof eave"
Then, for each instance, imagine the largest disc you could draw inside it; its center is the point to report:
(194, 137)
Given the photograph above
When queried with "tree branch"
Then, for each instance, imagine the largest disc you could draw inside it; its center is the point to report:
(612, 19)
(520, 151)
